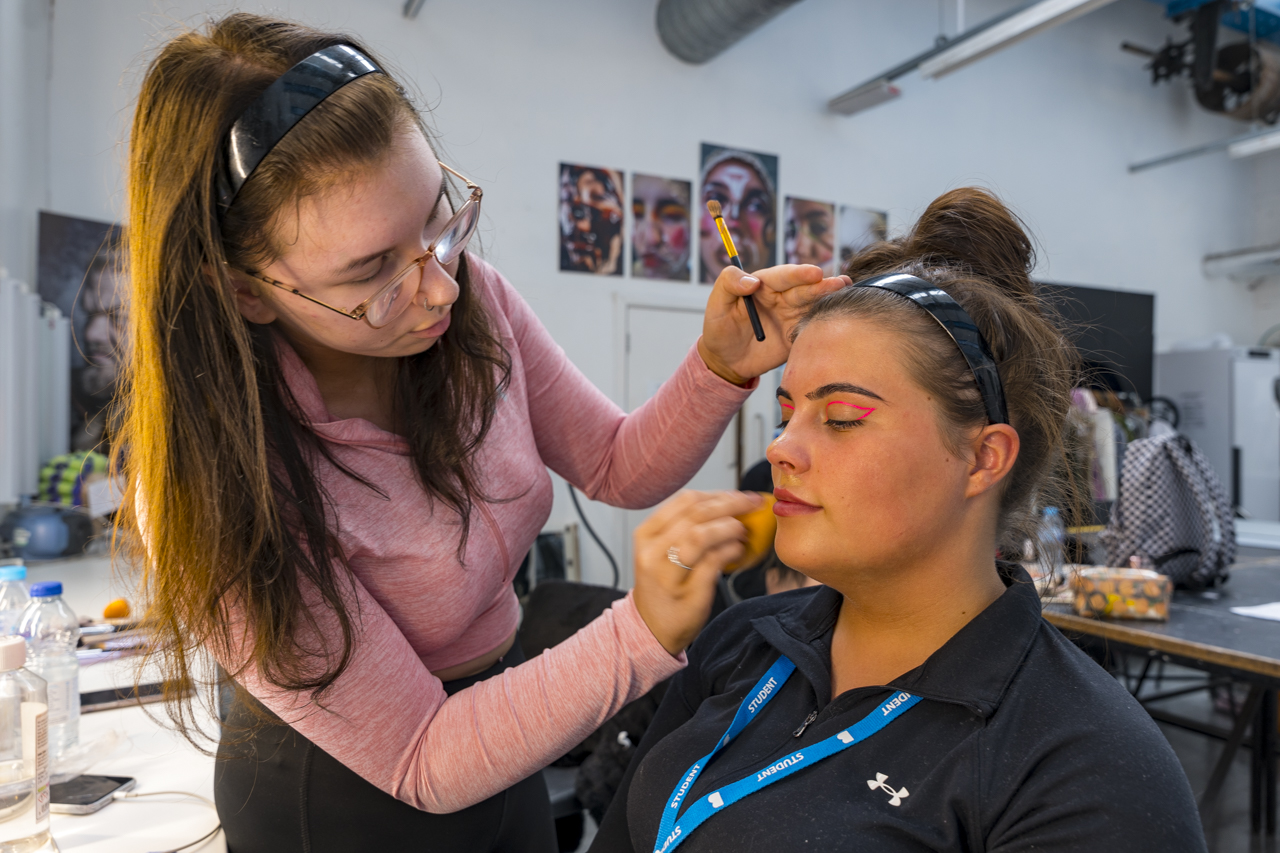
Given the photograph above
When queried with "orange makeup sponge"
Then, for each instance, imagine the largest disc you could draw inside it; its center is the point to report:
(761, 526)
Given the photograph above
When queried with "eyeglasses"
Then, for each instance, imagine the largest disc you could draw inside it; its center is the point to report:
(392, 298)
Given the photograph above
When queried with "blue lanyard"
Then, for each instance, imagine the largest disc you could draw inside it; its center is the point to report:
(671, 833)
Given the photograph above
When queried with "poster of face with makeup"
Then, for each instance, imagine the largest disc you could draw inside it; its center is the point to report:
(810, 234)
(858, 229)
(660, 236)
(590, 214)
(81, 270)
(745, 183)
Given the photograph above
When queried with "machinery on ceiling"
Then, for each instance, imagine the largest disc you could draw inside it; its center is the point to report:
(1239, 79)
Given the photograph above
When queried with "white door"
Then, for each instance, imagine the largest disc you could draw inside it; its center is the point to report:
(657, 341)
(1257, 434)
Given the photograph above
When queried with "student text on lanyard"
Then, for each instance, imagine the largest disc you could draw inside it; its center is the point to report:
(672, 832)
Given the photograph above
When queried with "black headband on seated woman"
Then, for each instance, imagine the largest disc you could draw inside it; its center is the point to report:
(282, 105)
(960, 326)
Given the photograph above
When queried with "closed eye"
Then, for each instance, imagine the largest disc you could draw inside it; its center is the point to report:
(442, 210)
(787, 408)
(377, 271)
(836, 425)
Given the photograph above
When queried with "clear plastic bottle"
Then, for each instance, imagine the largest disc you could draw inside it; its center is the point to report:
(1051, 545)
(13, 595)
(52, 631)
(24, 754)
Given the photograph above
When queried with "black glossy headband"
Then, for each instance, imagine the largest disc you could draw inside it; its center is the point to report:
(960, 326)
(281, 106)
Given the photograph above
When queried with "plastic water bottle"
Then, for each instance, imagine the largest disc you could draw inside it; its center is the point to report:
(52, 631)
(1051, 545)
(24, 754)
(13, 595)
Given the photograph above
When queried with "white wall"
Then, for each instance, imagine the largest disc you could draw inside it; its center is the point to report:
(1050, 124)
(1265, 206)
(25, 32)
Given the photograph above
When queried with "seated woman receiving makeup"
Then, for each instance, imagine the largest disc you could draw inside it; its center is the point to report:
(917, 701)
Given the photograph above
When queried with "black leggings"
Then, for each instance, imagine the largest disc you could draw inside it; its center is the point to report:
(278, 792)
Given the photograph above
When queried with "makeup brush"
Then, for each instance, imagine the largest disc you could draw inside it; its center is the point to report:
(713, 207)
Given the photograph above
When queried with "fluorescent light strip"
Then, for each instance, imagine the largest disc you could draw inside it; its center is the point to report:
(1255, 145)
(864, 97)
(1244, 145)
(1031, 20)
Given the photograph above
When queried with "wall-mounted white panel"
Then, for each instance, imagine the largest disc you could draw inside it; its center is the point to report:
(54, 365)
(29, 399)
(35, 394)
(9, 442)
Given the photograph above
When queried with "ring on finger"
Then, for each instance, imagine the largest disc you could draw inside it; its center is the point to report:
(673, 554)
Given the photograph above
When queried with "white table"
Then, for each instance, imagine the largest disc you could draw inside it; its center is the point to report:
(160, 760)
(88, 583)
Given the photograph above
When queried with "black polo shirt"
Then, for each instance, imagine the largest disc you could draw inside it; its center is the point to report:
(1021, 743)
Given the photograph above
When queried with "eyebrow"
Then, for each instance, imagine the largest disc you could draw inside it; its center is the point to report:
(831, 388)
(359, 262)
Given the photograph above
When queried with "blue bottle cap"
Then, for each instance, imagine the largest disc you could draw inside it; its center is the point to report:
(13, 573)
(46, 589)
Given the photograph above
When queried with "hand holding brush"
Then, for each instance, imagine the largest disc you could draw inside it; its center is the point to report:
(777, 296)
(713, 207)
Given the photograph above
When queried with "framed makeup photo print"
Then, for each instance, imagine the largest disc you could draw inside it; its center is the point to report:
(590, 219)
(80, 268)
(661, 244)
(809, 235)
(745, 183)
(859, 228)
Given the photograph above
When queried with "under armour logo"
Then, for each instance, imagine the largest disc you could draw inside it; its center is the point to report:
(895, 797)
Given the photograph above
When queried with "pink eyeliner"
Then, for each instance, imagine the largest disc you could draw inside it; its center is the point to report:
(865, 411)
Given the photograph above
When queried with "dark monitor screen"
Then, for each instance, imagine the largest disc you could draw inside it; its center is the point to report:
(1114, 330)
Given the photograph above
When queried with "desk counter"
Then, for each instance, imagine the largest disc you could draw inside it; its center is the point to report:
(161, 761)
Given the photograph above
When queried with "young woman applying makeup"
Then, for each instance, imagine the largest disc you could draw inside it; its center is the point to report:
(917, 701)
(338, 427)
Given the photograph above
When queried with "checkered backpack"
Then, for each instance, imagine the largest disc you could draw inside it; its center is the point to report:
(1173, 509)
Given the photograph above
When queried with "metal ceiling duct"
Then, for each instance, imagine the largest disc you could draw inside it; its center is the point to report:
(698, 30)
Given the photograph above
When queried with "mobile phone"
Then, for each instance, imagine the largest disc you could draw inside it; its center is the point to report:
(86, 794)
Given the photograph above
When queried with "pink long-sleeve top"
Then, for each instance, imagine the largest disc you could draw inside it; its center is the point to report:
(420, 609)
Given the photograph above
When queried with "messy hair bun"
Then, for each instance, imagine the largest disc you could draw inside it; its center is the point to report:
(966, 230)
(969, 244)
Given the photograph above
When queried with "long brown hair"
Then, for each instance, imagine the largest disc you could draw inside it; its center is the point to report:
(223, 495)
(969, 244)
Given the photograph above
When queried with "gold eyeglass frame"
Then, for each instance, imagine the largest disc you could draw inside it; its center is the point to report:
(361, 310)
